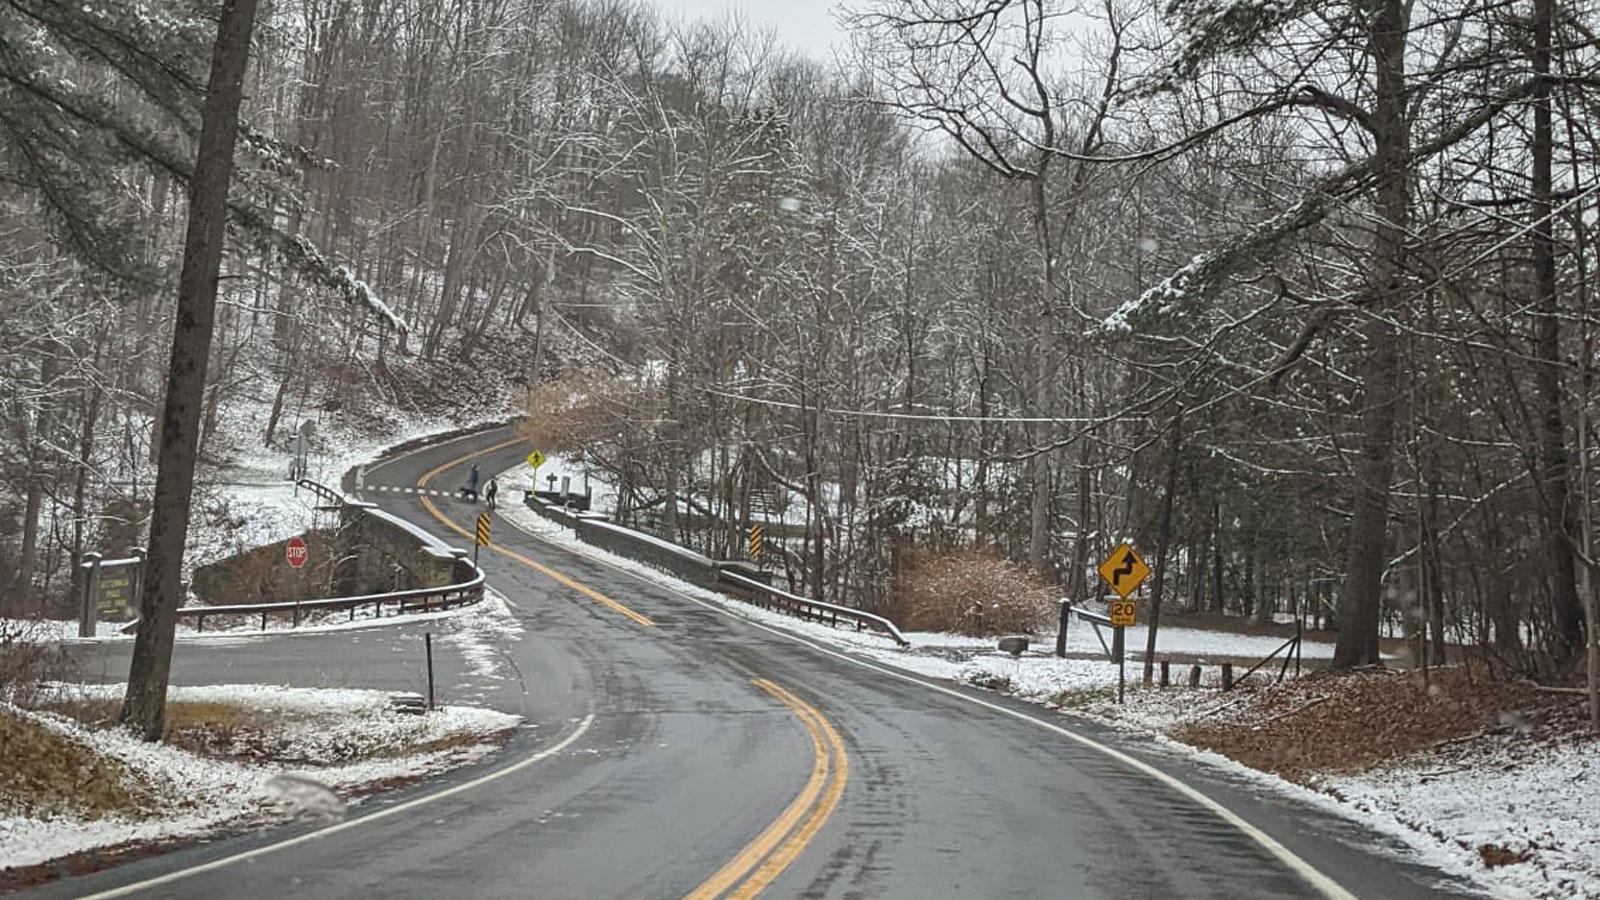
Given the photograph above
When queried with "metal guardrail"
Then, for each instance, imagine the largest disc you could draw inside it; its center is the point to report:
(328, 494)
(1096, 621)
(814, 610)
(413, 600)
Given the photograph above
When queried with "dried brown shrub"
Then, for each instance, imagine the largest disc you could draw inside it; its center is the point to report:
(973, 592)
(44, 774)
(1494, 855)
(1351, 722)
(581, 411)
(27, 661)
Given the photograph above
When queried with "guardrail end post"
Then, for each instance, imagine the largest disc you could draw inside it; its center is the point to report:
(1061, 628)
(427, 639)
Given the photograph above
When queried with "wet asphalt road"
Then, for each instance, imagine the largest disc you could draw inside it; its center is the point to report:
(686, 761)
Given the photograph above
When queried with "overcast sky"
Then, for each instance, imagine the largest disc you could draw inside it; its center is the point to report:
(807, 26)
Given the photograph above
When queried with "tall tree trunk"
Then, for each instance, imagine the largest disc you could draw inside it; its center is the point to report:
(1554, 484)
(30, 524)
(37, 438)
(1039, 466)
(144, 706)
(1380, 371)
(93, 397)
(1163, 545)
(1218, 600)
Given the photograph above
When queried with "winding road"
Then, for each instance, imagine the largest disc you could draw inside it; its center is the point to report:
(678, 752)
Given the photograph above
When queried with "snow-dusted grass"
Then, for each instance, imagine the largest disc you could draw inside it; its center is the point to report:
(1537, 803)
(1539, 800)
(320, 729)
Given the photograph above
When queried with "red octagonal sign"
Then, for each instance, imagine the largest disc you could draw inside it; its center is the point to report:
(295, 552)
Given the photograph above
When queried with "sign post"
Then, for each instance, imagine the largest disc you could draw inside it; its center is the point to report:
(296, 553)
(1124, 570)
(91, 584)
(110, 589)
(535, 460)
(300, 466)
(482, 537)
(755, 542)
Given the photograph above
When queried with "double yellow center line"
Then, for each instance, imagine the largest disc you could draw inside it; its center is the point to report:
(779, 844)
(783, 841)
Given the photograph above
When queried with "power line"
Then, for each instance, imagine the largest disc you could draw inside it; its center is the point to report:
(914, 417)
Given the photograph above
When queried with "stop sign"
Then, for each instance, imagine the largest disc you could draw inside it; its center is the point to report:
(295, 552)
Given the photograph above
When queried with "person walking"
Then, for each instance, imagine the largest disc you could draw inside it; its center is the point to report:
(489, 490)
(472, 483)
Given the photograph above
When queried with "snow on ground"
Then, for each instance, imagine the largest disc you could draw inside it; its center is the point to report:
(210, 793)
(250, 502)
(603, 493)
(1534, 800)
(1539, 798)
(480, 632)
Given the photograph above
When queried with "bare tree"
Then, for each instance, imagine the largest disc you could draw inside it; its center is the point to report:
(144, 706)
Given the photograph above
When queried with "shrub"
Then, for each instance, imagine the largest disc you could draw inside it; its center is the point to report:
(581, 412)
(972, 592)
(27, 661)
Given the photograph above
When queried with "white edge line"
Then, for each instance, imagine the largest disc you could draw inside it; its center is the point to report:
(169, 877)
(1311, 874)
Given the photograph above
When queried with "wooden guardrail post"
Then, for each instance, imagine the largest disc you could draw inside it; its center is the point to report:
(1166, 672)
(1227, 676)
(1194, 676)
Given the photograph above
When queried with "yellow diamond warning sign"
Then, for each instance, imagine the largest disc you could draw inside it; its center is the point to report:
(1124, 570)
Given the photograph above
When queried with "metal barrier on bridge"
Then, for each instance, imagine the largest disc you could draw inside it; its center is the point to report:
(815, 610)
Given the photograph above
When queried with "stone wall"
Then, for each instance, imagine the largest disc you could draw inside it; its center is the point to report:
(371, 552)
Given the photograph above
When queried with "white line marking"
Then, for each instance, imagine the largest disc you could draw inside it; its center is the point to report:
(1322, 883)
(548, 752)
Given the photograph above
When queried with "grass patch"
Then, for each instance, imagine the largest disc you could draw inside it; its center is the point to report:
(202, 728)
(1083, 698)
(45, 775)
(276, 737)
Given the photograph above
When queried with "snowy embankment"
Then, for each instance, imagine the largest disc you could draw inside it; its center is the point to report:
(249, 501)
(1533, 801)
(334, 745)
